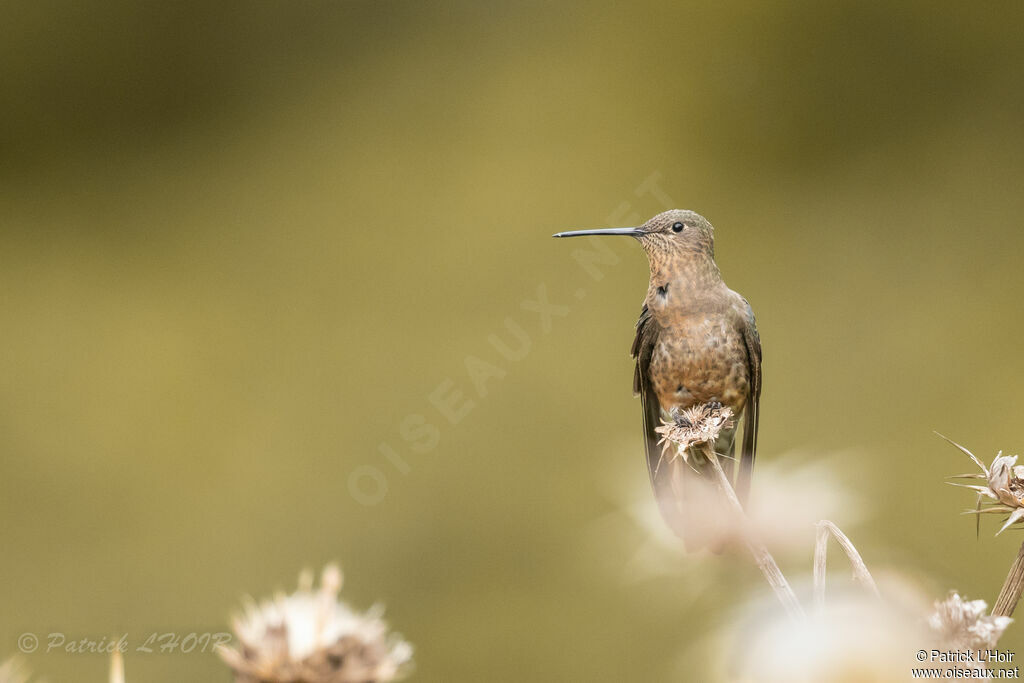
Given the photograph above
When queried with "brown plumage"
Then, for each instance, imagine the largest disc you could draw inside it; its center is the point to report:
(696, 342)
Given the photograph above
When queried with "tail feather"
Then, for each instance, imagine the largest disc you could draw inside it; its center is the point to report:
(746, 467)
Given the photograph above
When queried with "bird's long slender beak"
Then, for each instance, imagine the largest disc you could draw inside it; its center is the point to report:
(632, 232)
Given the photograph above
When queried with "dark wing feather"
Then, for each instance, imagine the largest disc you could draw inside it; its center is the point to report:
(660, 470)
(753, 405)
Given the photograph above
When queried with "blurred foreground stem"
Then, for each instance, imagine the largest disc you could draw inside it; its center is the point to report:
(765, 562)
(1012, 588)
(861, 574)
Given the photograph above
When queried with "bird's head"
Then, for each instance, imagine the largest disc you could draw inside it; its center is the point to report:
(670, 233)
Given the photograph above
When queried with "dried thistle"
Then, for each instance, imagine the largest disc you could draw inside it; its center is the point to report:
(699, 424)
(1003, 489)
(312, 637)
(964, 625)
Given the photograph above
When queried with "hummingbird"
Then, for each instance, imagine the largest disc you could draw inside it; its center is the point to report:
(696, 342)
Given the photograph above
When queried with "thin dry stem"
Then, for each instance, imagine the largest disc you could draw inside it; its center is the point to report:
(765, 562)
(1012, 588)
(820, 556)
(861, 575)
(116, 667)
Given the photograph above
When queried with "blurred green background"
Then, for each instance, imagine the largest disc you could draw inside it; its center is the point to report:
(243, 242)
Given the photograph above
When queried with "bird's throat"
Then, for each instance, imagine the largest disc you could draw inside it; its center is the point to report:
(681, 272)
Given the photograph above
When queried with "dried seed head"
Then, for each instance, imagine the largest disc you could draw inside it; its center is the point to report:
(964, 625)
(312, 637)
(1006, 480)
(1003, 491)
(700, 424)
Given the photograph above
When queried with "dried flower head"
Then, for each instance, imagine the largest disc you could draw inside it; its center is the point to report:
(312, 637)
(693, 426)
(1003, 489)
(964, 625)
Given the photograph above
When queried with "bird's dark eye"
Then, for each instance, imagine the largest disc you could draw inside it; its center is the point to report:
(677, 227)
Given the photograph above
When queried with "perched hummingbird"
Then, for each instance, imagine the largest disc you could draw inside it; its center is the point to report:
(696, 342)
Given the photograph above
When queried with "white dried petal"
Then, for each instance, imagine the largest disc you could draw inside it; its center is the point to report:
(1014, 517)
(963, 624)
(312, 636)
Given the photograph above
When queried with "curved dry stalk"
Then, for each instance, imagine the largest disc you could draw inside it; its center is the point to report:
(820, 557)
(861, 575)
(765, 562)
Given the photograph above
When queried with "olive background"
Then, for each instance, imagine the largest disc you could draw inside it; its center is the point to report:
(250, 248)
